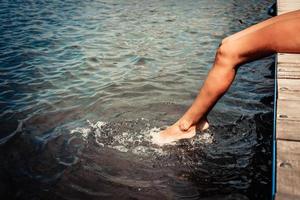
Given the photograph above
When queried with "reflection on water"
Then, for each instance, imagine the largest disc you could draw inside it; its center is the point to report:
(117, 160)
(84, 85)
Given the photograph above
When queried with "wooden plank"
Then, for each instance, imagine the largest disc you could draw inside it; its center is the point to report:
(284, 6)
(280, 196)
(288, 167)
(288, 89)
(287, 130)
(288, 66)
(288, 58)
(288, 71)
(288, 119)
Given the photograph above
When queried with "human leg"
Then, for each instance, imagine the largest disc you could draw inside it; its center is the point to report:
(281, 36)
(283, 17)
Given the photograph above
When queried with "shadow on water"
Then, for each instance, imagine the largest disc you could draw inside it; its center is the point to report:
(117, 160)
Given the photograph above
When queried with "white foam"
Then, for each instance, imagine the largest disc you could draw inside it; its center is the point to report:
(139, 150)
(96, 125)
(120, 148)
(139, 143)
(84, 131)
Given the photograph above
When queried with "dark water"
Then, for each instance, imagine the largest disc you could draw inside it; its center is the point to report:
(84, 84)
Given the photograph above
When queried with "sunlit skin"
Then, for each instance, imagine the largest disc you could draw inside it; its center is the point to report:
(279, 34)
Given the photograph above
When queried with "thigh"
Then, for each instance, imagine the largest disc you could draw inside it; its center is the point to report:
(287, 36)
(280, 37)
(283, 17)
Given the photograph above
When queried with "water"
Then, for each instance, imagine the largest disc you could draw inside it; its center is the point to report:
(84, 85)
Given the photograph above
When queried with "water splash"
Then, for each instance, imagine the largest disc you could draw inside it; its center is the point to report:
(137, 137)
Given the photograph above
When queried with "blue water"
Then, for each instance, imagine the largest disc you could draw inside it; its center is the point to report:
(84, 84)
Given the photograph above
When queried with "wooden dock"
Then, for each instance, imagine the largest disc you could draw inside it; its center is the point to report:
(288, 118)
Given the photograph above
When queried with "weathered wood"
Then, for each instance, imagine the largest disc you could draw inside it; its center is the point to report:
(288, 66)
(288, 58)
(280, 196)
(288, 89)
(284, 6)
(288, 71)
(288, 167)
(288, 119)
(287, 130)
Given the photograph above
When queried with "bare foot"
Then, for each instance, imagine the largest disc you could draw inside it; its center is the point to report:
(175, 133)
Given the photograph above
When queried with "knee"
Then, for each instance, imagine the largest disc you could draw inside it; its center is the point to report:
(227, 54)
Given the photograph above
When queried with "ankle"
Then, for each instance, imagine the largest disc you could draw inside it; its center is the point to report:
(185, 124)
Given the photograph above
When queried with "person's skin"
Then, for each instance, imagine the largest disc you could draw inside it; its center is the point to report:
(278, 34)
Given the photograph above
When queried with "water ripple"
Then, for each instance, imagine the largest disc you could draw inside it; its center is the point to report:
(65, 62)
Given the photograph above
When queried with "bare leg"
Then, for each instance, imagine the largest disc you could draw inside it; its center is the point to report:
(280, 36)
(283, 17)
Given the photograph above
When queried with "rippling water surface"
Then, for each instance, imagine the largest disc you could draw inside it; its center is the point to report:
(84, 85)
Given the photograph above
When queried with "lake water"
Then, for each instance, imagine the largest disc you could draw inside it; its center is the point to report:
(84, 84)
